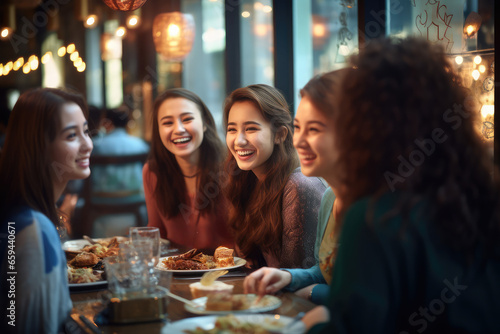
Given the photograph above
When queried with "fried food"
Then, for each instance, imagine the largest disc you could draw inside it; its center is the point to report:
(84, 259)
(224, 257)
(195, 260)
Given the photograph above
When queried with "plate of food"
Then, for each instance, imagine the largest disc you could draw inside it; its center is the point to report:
(227, 303)
(194, 261)
(242, 323)
(84, 260)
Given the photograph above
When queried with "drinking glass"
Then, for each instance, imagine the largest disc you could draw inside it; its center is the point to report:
(147, 233)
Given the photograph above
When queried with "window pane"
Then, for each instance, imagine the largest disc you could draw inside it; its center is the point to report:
(204, 71)
(256, 33)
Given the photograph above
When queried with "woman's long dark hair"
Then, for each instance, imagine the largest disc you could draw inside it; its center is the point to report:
(171, 191)
(407, 124)
(256, 213)
(25, 161)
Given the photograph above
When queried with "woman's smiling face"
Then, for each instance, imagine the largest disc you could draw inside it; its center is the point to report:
(249, 137)
(314, 141)
(71, 148)
(181, 128)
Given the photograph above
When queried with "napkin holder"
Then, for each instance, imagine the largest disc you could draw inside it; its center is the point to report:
(133, 309)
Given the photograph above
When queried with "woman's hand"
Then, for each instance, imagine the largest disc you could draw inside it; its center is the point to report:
(266, 281)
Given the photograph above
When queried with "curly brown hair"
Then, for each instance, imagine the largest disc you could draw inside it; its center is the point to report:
(406, 125)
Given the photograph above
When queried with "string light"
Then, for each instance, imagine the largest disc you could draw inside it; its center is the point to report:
(32, 63)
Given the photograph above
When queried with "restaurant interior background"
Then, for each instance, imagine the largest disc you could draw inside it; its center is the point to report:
(212, 47)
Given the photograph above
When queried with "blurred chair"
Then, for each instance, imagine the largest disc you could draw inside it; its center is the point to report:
(101, 203)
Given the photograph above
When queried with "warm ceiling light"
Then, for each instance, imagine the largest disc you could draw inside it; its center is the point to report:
(245, 14)
(487, 110)
(459, 60)
(482, 68)
(9, 66)
(5, 33)
(472, 24)
(17, 65)
(78, 62)
(267, 9)
(478, 59)
(475, 74)
(71, 48)
(173, 35)
(62, 51)
(133, 21)
(74, 56)
(34, 64)
(124, 5)
(120, 32)
(91, 21)
(46, 57)
(26, 68)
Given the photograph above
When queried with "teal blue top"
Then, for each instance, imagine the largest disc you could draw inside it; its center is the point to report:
(305, 277)
(395, 277)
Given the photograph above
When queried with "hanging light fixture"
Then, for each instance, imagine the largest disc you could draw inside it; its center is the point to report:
(472, 24)
(173, 35)
(124, 5)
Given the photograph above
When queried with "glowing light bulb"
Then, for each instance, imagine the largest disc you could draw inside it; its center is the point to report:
(133, 21)
(78, 62)
(71, 48)
(245, 14)
(81, 68)
(487, 110)
(26, 68)
(120, 32)
(482, 68)
(46, 57)
(5, 33)
(173, 30)
(470, 30)
(475, 74)
(91, 21)
(34, 64)
(478, 59)
(74, 56)
(459, 60)
(62, 51)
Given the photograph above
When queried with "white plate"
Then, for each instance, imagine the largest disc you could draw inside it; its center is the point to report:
(269, 321)
(238, 262)
(267, 303)
(91, 285)
(77, 244)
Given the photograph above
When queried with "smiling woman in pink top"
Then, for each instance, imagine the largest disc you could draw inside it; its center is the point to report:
(182, 179)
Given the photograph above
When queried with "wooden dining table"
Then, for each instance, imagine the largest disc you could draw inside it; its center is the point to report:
(85, 305)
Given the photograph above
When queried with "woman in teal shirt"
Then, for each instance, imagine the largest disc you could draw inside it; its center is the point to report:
(313, 140)
(418, 251)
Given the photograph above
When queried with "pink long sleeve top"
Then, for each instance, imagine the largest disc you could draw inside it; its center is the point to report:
(189, 228)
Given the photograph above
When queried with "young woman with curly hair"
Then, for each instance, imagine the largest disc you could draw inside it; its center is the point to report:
(419, 244)
(274, 207)
(47, 145)
(182, 179)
